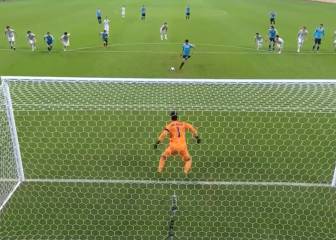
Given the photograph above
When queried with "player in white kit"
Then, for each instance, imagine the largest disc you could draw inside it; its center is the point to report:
(65, 39)
(279, 43)
(258, 40)
(31, 40)
(164, 31)
(123, 11)
(10, 34)
(302, 34)
(107, 25)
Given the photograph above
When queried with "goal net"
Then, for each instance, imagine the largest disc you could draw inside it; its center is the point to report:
(263, 170)
(9, 175)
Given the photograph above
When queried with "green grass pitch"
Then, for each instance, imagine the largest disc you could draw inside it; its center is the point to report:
(248, 146)
(223, 31)
(68, 139)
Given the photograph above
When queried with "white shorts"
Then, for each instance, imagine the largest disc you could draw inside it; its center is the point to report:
(66, 43)
(163, 32)
(279, 45)
(31, 42)
(259, 43)
(107, 29)
(11, 39)
(300, 40)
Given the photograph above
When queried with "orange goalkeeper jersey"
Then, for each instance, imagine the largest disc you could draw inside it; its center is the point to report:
(177, 132)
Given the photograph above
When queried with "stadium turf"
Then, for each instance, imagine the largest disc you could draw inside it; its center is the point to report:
(222, 30)
(91, 168)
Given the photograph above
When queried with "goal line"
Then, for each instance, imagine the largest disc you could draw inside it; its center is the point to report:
(176, 182)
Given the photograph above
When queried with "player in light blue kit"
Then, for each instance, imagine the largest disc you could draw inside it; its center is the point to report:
(318, 35)
(49, 40)
(272, 16)
(186, 49)
(104, 35)
(143, 12)
(99, 16)
(272, 32)
(187, 12)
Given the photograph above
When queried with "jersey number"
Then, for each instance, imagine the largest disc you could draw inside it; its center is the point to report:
(178, 132)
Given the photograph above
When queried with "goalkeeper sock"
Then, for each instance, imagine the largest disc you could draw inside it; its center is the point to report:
(187, 166)
(162, 164)
(181, 65)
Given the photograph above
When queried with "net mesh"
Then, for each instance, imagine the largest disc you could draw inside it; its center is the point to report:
(8, 173)
(262, 170)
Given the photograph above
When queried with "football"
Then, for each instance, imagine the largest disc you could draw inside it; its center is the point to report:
(172, 69)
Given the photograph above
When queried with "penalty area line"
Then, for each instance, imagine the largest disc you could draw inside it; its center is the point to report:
(260, 52)
(172, 182)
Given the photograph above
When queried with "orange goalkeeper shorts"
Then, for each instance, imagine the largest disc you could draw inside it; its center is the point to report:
(181, 150)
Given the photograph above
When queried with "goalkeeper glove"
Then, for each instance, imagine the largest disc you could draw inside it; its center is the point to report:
(198, 140)
(156, 144)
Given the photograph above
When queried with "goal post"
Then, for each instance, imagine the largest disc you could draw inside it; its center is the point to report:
(333, 181)
(263, 168)
(13, 132)
(11, 169)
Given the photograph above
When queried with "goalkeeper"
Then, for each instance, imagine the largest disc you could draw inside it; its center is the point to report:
(177, 142)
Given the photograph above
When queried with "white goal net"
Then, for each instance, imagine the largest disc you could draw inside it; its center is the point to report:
(10, 177)
(264, 169)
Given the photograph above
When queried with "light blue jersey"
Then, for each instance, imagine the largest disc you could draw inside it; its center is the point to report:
(186, 49)
(98, 13)
(143, 10)
(187, 11)
(272, 15)
(49, 39)
(319, 33)
(272, 32)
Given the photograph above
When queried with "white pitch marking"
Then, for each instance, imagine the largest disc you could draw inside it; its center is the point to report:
(9, 195)
(172, 182)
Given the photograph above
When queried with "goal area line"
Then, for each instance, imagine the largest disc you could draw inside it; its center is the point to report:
(171, 182)
(11, 193)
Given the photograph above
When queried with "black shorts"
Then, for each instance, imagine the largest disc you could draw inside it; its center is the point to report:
(272, 39)
(272, 20)
(105, 40)
(186, 57)
(317, 40)
(143, 15)
(187, 14)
